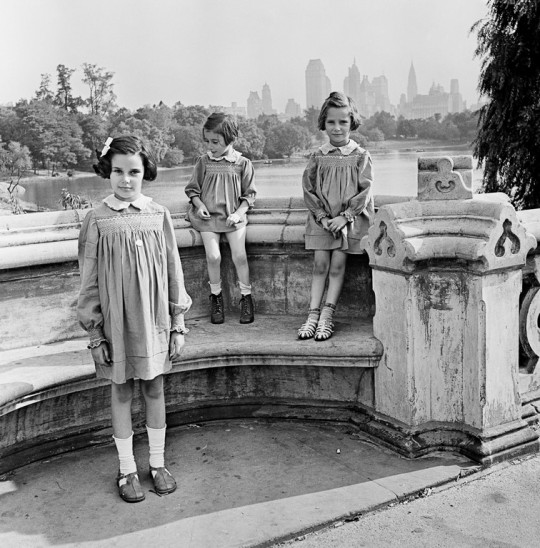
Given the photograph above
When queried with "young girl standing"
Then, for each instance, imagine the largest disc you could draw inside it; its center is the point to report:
(132, 303)
(221, 191)
(337, 191)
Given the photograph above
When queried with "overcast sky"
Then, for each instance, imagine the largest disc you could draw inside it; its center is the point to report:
(217, 51)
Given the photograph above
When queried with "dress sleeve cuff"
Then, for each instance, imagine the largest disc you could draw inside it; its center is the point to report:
(177, 324)
(96, 337)
(250, 199)
(348, 215)
(321, 215)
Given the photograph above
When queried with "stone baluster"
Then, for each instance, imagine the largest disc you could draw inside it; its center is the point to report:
(447, 274)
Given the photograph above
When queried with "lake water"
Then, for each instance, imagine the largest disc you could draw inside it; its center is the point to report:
(395, 174)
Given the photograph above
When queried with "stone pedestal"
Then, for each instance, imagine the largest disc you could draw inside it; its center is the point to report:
(447, 278)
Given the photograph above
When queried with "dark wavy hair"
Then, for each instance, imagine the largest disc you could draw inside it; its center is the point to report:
(224, 124)
(126, 144)
(339, 100)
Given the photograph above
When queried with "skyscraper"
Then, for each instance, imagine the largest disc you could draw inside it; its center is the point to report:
(380, 89)
(292, 109)
(412, 89)
(456, 100)
(254, 105)
(267, 100)
(351, 84)
(369, 97)
(317, 84)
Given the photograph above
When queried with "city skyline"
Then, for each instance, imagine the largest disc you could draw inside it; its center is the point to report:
(268, 46)
(370, 96)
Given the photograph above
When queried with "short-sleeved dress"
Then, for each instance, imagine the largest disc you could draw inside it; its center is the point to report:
(132, 286)
(221, 184)
(338, 180)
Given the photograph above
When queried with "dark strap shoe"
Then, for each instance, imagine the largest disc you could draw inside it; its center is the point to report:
(217, 313)
(129, 487)
(164, 483)
(246, 309)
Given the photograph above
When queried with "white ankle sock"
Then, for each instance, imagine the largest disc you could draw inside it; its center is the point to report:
(125, 454)
(245, 289)
(156, 441)
(215, 289)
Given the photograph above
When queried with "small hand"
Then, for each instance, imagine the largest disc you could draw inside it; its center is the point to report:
(233, 219)
(176, 344)
(203, 213)
(101, 355)
(336, 224)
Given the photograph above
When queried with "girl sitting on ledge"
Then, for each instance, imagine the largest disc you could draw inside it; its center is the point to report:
(132, 303)
(221, 191)
(337, 185)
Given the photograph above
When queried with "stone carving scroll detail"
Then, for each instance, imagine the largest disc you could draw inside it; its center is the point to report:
(384, 238)
(507, 234)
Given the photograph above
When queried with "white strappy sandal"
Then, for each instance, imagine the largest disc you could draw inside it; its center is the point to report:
(325, 329)
(308, 329)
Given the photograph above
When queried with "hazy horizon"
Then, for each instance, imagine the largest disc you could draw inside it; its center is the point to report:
(208, 52)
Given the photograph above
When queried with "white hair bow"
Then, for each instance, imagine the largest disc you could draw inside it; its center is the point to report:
(107, 146)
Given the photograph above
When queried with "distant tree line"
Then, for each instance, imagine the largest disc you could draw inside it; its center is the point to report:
(57, 130)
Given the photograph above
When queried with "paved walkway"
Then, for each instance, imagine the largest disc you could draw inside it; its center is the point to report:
(242, 483)
(496, 508)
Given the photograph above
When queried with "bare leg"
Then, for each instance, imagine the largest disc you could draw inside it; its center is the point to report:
(237, 243)
(321, 265)
(121, 397)
(154, 399)
(336, 276)
(213, 255)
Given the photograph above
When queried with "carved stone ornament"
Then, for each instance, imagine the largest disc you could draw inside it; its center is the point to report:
(484, 231)
(445, 178)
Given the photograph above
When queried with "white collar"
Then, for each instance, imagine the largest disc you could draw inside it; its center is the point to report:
(351, 146)
(231, 157)
(114, 203)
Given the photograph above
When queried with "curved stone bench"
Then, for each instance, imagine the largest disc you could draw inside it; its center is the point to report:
(51, 402)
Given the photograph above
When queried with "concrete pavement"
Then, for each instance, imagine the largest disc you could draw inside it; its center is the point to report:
(496, 508)
(241, 483)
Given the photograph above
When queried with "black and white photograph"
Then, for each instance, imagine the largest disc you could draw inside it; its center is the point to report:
(269, 273)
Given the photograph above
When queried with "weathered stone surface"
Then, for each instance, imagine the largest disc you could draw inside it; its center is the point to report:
(485, 233)
(446, 178)
(447, 279)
